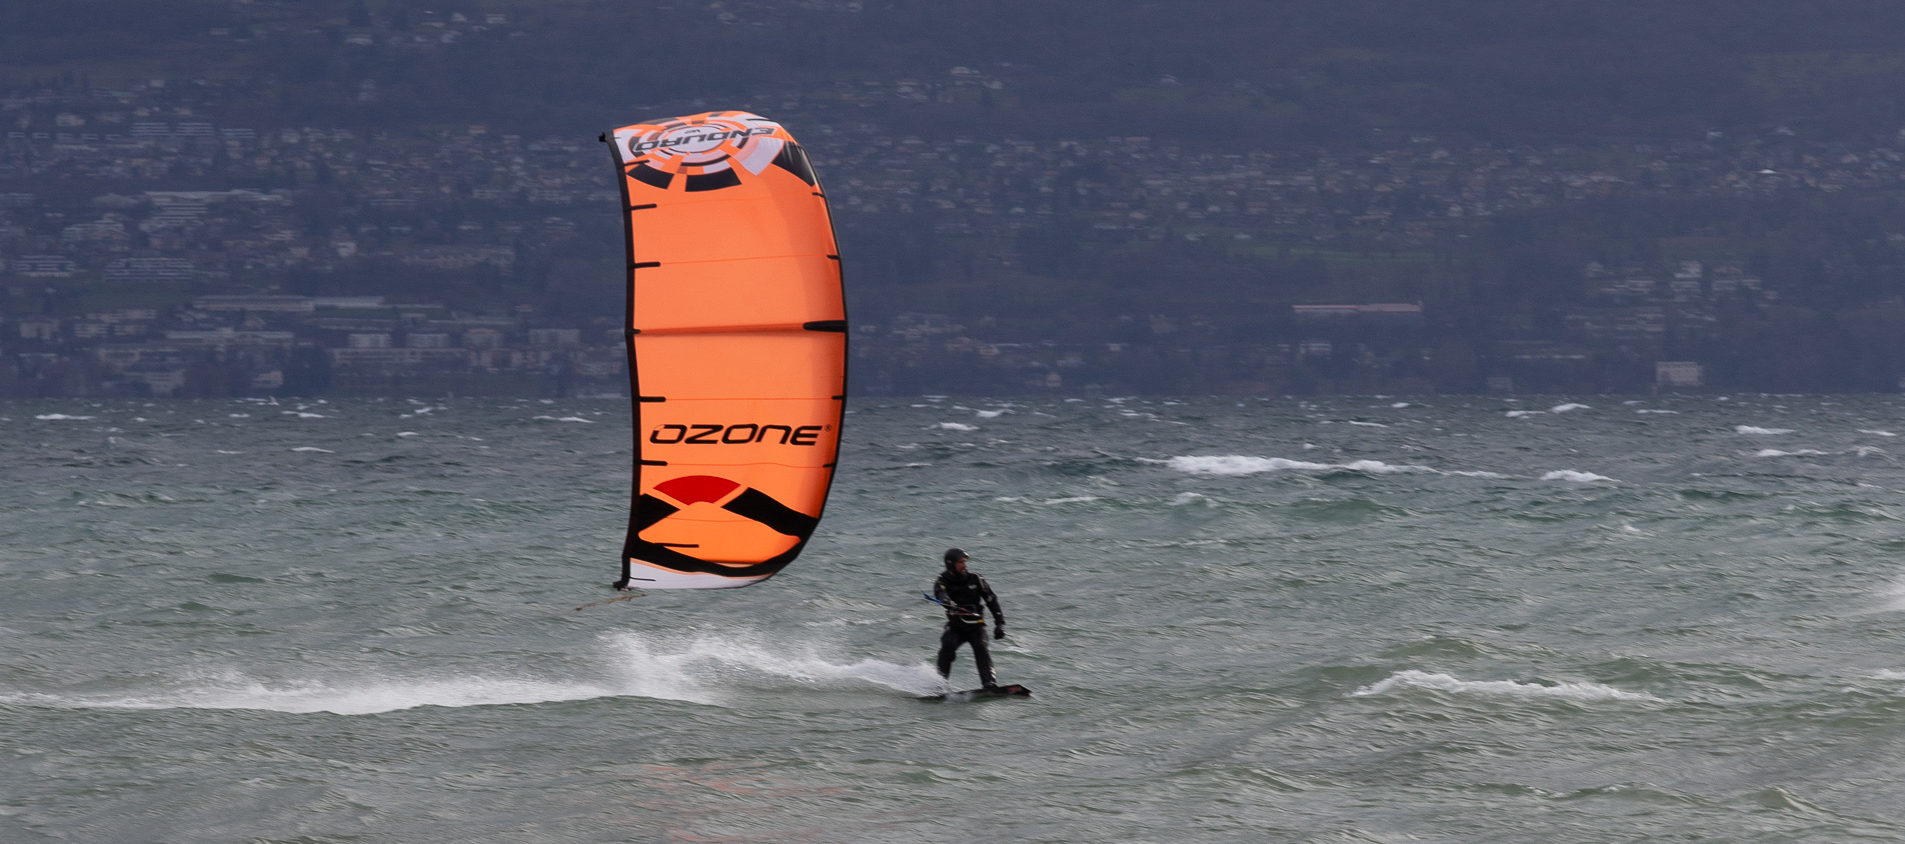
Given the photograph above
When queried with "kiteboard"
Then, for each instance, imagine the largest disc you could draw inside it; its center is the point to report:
(988, 693)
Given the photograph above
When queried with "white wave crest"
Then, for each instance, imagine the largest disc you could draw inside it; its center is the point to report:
(1236, 464)
(1774, 452)
(1186, 498)
(1758, 431)
(1506, 688)
(1019, 499)
(1568, 408)
(956, 426)
(1574, 476)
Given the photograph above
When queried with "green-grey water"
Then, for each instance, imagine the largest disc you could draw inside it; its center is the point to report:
(1347, 619)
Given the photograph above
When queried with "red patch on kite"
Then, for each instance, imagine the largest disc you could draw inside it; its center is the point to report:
(694, 489)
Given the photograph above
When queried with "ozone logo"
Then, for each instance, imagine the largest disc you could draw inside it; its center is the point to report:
(742, 433)
(704, 144)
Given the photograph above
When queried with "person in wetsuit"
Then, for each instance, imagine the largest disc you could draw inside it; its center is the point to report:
(966, 595)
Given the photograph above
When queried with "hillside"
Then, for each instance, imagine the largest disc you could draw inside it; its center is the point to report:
(1130, 198)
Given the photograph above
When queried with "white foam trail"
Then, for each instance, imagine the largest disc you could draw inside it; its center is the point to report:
(1894, 596)
(1568, 408)
(236, 691)
(1574, 476)
(59, 416)
(312, 448)
(957, 426)
(1505, 688)
(989, 414)
(564, 419)
(1877, 433)
(1752, 429)
(705, 669)
(1774, 452)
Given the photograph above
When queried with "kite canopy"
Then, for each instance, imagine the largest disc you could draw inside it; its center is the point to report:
(737, 348)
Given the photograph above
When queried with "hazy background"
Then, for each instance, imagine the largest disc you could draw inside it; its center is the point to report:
(1116, 196)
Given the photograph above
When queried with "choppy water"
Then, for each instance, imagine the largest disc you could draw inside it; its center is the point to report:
(1335, 620)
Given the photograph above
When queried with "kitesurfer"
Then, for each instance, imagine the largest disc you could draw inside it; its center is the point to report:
(966, 595)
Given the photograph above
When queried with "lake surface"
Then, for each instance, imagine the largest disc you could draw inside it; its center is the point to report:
(1345, 619)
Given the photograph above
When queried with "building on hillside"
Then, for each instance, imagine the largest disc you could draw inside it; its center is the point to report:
(1679, 375)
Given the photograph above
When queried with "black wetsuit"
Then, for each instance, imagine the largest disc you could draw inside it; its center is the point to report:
(964, 595)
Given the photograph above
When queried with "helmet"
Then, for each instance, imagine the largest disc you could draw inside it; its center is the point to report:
(954, 555)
